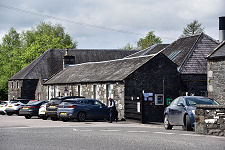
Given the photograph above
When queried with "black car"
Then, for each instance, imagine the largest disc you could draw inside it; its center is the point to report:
(31, 108)
(83, 109)
(181, 111)
(52, 106)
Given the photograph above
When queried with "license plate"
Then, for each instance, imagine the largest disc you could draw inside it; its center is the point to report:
(52, 106)
(10, 106)
(1, 106)
(25, 107)
(43, 112)
(62, 113)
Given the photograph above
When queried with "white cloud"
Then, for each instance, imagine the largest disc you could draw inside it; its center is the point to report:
(166, 17)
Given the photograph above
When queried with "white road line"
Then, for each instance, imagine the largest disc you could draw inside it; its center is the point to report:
(167, 133)
(86, 130)
(109, 130)
(137, 131)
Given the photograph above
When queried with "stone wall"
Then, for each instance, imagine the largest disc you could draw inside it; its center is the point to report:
(87, 90)
(216, 80)
(14, 89)
(210, 120)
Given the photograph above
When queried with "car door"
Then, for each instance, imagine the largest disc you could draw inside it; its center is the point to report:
(180, 110)
(172, 111)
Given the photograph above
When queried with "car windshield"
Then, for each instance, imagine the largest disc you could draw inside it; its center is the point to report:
(55, 101)
(202, 101)
(33, 102)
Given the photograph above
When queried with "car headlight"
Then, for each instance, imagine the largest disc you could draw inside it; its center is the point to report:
(193, 111)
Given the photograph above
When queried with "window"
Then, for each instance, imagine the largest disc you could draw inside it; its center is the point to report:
(12, 86)
(17, 84)
(95, 91)
(159, 99)
(174, 54)
(79, 90)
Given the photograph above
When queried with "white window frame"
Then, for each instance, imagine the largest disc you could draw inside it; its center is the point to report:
(157, 99)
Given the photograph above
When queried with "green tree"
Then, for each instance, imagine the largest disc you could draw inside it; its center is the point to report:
(128, 47)
(149, 40)
(10, 51)
(18, 50)
(45, 36)
(193, 28)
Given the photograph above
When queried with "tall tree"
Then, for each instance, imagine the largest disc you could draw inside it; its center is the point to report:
(193, 28)
(10, 51)
(149, 40)
(18, 50)
(45, 36)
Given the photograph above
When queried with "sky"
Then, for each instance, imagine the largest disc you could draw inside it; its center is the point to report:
(111, 24)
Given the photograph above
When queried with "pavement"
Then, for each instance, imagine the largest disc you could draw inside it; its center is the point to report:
(18, 133)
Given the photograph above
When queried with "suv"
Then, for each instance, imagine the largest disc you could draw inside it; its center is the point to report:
(52, 106)
(14, 106)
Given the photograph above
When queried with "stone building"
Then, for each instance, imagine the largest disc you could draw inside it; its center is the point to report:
(216, 73)
(24, 83)
(123, 79)
(189, 53)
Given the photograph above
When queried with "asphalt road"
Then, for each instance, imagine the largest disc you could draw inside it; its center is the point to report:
(17, 133)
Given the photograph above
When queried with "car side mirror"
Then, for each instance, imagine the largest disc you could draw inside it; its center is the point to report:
(180, 104)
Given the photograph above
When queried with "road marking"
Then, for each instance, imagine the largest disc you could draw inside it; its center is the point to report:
(186, 134)
(109, 130)
(86, 130)
(167, 133)
(137, 131)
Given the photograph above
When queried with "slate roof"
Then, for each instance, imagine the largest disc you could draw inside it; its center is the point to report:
(196, 62)
(151, 50)
(188, 53)
(51, 61)
(113, 70)
(218, 52)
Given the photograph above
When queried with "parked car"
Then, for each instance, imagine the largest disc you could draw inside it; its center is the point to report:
(52, 106)
(3, 107)
(14, 106)
(31, 108)
(181, 111)
(42, 112)
(82, 109)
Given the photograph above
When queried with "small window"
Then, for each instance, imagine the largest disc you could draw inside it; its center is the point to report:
(17, 85)
(12, 86)
(159, 99)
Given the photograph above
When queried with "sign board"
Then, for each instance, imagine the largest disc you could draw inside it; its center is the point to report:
(159, 99)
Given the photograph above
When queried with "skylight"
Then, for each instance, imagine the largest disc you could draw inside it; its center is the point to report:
(174, 54)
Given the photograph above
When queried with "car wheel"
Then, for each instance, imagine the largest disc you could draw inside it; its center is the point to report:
(9, 114)
(64, 120)
(27, 116)
(54, 118)
(81, 116)
(187, 124)
(167, 124)
(44, 117)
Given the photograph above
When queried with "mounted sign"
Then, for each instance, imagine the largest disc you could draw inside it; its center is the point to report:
(148, 96)
(159, 99)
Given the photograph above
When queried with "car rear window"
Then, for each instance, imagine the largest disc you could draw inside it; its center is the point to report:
(201, 101)
(55, 101)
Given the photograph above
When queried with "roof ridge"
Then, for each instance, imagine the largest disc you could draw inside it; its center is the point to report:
(189, 53)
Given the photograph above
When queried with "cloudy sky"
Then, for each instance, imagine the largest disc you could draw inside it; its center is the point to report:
(112, 23)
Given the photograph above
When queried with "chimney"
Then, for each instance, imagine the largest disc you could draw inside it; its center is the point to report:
(222, 28)
(68, 59)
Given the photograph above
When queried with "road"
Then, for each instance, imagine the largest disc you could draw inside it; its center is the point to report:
(18, 133)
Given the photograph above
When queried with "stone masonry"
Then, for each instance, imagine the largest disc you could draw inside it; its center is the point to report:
(87, 90)
(216, 80)
(210, 120)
